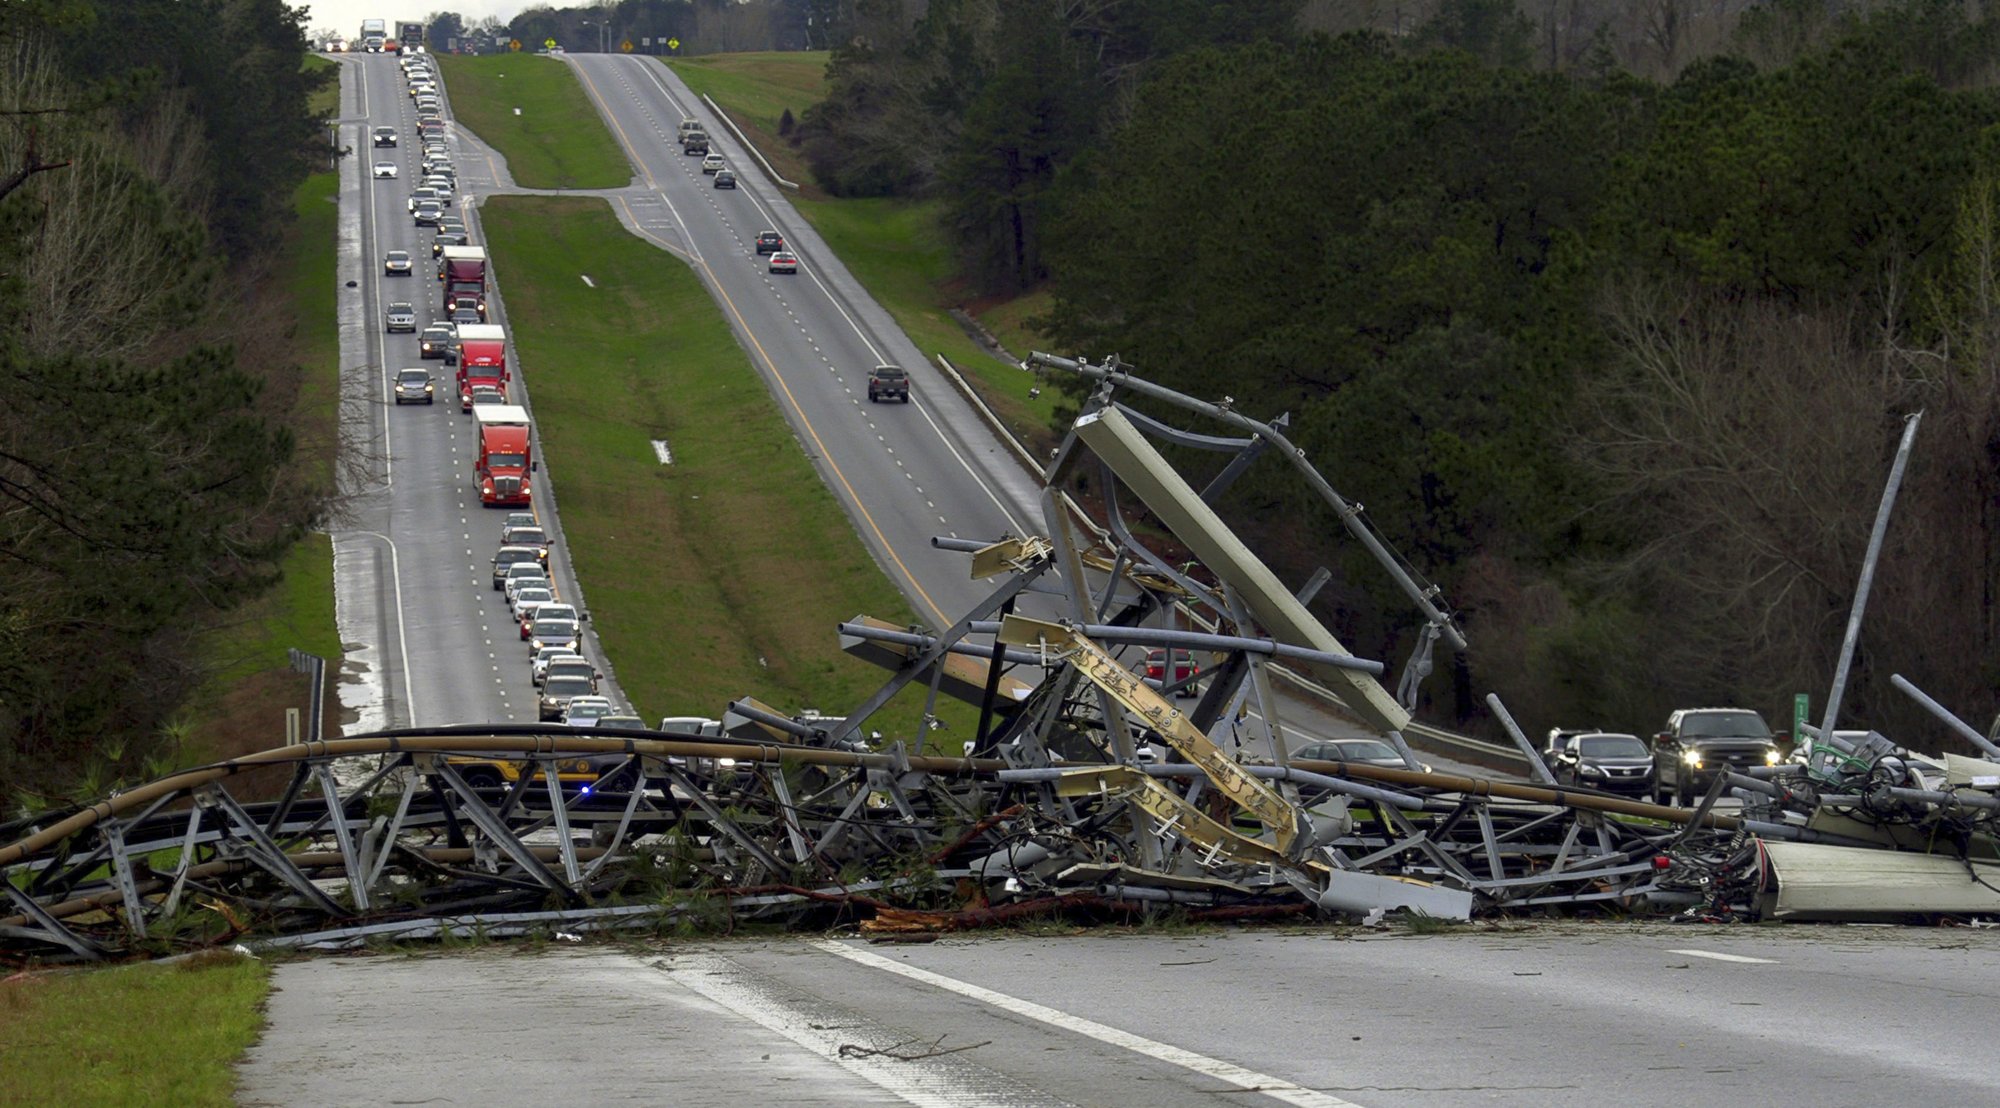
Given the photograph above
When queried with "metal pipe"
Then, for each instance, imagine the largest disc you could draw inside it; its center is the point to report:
(1162, 636)
(520, 738)
(772, 719)
(1966, 799)
(1014, 655)
(1181, 770)
(1867, 582)
(1965, 730)
(1350, 514)
(1535, 764)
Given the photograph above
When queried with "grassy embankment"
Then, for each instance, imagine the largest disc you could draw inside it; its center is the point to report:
(894, 247)
(724, 573)
(130, 1035)
(557, 142)
(241, 706)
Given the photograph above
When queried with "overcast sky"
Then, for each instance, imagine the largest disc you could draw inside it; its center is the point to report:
(345, 16)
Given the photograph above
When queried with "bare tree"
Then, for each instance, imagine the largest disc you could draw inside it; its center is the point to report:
(1745, 443)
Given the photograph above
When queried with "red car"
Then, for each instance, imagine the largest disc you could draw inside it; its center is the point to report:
(1185, 668)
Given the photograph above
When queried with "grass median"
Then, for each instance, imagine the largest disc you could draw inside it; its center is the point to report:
(130, 1035)
(724, 573)
(557, 141)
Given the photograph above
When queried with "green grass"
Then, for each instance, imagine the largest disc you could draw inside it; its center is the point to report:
(759, 88)
(325, 104)
(558, 140)
(133, 1035)
(250, 642)
(297, 612)
(725, 573)
(309, 279)
(756, 90)
(894, 247)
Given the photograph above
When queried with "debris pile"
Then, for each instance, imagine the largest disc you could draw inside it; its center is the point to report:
(1089, 790)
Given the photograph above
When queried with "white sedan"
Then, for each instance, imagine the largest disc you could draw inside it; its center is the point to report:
(585, 711)
(385, 169)
(527, 600)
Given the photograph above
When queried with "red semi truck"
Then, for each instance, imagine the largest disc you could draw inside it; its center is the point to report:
(481, 354)
(463, 271)
(505, 457)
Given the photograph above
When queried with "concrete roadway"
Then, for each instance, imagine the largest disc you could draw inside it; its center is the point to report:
(428, 641)
(1542, 1015)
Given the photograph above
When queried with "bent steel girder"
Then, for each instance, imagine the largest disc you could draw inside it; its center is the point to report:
(756, 831)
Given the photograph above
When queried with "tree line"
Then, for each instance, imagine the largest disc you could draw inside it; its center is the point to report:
(147, 478)
(1613, 340)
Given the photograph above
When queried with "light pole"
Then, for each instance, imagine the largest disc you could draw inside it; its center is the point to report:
(603, 33)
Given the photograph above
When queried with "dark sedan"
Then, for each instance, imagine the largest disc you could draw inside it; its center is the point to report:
(1607, 761)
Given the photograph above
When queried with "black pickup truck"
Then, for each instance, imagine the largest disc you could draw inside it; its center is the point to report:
(1700, 743)
(888, 382)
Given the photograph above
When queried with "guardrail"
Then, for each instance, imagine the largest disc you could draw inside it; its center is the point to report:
(747, 144)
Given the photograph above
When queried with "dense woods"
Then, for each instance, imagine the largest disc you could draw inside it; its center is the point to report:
(1610, 314)
(146, 478)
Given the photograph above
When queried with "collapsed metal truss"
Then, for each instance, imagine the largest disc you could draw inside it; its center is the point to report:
(1085, 788)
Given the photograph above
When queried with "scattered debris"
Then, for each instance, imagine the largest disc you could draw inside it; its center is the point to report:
(901, 1053)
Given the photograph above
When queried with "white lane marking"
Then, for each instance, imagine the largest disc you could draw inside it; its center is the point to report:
(402, 640)
(1274, 1087)
(978, 478)
(1721, 957)
(943, 1082)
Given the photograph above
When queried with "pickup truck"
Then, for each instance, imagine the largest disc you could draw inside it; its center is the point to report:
(1700, 743)
(888, 382)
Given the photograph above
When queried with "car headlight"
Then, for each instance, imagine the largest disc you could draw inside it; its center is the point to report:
(1692, 758)
(1771, 757)
(537, 644)
(1592, 771)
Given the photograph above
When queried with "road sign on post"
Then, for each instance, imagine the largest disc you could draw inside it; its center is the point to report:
(626, 46)
(548, 44)
(1801, 712)
(514, 44)
(673, 44)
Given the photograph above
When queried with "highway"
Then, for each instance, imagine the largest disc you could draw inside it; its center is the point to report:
(903, 472)
(1555, 1014)
(1517, 1013)
(428, 640)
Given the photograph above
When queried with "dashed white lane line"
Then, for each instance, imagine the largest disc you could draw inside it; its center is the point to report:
(1742, 959)
(1228, 1072)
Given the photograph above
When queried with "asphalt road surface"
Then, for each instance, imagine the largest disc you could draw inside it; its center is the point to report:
(1524, 1015)
(428, 639)
(1555, 1014)
(904, 472)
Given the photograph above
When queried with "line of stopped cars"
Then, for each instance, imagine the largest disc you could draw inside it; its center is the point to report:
(1678, 764)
